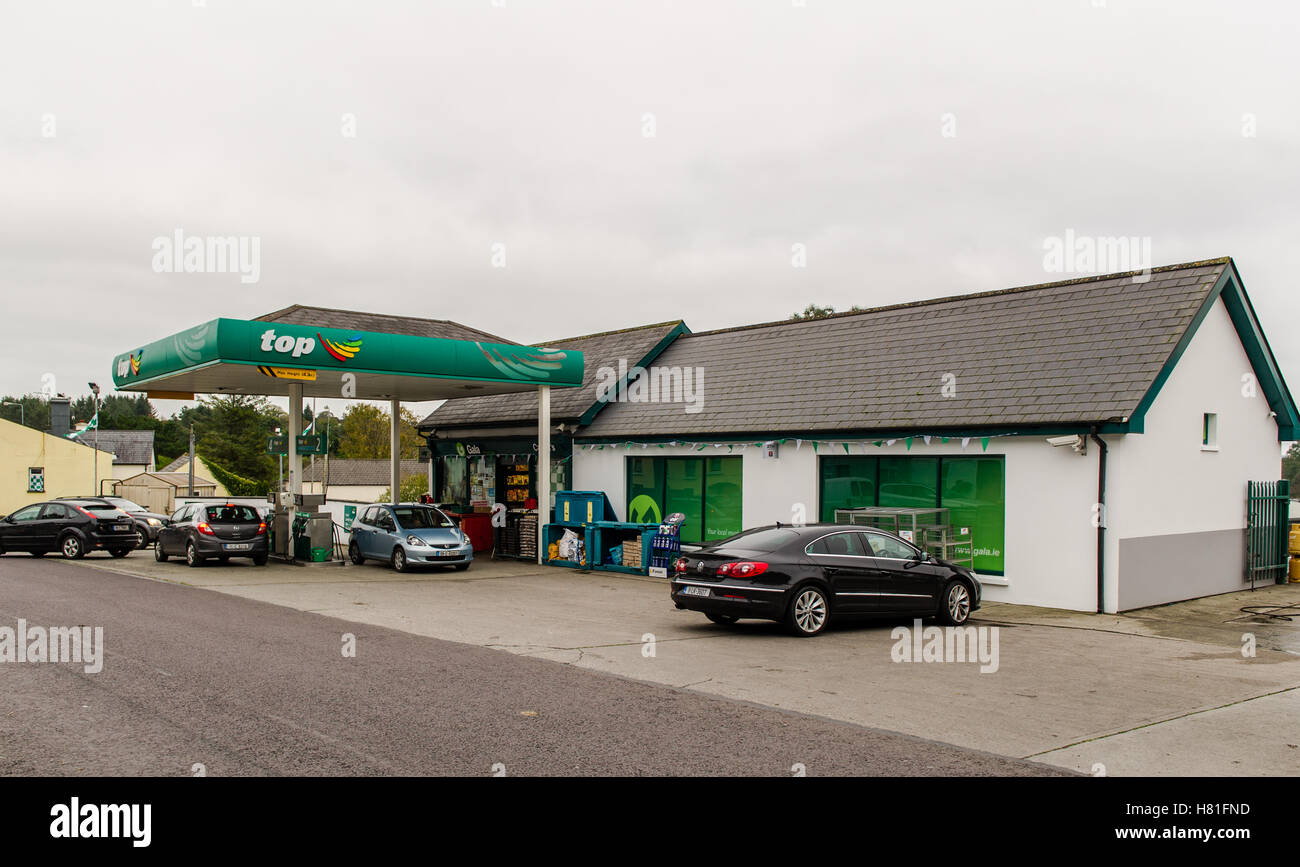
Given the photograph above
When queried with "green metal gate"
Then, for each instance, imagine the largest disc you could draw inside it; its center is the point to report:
(1267, 508)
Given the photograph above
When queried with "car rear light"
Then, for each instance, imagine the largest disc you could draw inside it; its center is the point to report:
(261, 528)
(681, 565)
(742, 569)
(203, 528)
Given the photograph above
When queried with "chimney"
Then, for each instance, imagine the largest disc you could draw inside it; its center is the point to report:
(60, 416)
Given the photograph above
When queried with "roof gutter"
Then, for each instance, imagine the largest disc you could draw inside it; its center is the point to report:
(1101, 521)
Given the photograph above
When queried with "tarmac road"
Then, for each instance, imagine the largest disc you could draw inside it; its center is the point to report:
(193, 677)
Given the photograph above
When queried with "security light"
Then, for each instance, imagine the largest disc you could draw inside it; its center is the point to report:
(1074, 441)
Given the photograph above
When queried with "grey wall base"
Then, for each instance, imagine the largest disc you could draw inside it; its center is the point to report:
(1157, 569)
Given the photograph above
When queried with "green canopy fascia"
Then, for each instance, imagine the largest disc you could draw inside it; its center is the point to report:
(257, 357)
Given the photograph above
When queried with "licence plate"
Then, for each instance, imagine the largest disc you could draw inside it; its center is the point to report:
(237, 546)
(695, 591)
(446, 553)
(122, 528)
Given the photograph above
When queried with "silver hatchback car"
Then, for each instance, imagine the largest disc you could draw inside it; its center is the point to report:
(409, 535)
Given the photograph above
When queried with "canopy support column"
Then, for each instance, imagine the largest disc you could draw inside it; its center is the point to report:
(295, 428)
(395, 449)
(544, 467)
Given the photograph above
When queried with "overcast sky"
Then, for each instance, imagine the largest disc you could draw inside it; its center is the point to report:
(639, 161)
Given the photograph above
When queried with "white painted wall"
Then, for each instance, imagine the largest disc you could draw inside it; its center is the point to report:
(1050, 540)
(1161, 482)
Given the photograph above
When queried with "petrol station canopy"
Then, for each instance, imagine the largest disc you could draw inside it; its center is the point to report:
(256, 357)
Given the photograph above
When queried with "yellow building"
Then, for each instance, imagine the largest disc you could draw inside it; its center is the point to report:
(36, 466)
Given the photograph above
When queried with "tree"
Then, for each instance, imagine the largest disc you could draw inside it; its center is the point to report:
(364, 433)
(409, 490)
(35, 412)
(1291, 468)
(812, 311)
(234, 436)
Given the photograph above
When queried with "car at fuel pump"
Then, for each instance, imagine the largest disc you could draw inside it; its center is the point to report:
(409, 535)
(198, 532)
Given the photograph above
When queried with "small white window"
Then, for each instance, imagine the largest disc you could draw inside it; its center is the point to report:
(1210, 432)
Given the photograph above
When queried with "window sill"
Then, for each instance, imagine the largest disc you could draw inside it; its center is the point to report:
(1209, 448)
(994, 580)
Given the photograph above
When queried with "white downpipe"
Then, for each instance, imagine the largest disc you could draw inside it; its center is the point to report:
(395, 449)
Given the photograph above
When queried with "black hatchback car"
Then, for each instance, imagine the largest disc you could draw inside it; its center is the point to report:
(198, 531)
(804, 575)
(71, 527)
(147, 524)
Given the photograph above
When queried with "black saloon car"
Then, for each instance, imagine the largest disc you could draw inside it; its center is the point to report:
(803, 576)
(71, 527)
(198, 531)
(147, 524)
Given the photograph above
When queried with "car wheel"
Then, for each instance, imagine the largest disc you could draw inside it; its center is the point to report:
(72, 547)
(120, 552)
(158, 553)
(399, 559)
(954, 604)
(723, 619)
(259, 559)
(192, 556)
(141, 539)
(809, 611)
(354, 554)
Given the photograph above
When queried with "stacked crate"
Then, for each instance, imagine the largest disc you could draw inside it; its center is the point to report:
(527, 529)
(948, 543)
(632, 553)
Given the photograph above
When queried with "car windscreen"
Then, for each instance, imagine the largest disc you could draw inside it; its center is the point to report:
(420, 519)
(127, 505)
(759, 540)
(232, 515)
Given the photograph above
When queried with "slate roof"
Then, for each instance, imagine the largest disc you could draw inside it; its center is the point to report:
(328, 317)
(175, 466)
(360, 471)
(127, 446)
(1077, 351)
(598, 350)
(178, 480)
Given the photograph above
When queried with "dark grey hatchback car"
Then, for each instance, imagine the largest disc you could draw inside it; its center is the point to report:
(803, 576)
(198, 531)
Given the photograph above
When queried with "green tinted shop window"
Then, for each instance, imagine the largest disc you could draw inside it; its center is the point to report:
(909, 483)
(645, 490)
(722, 498)
(706, 490)
(684, 492)
(974, 491)
(847, 483)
